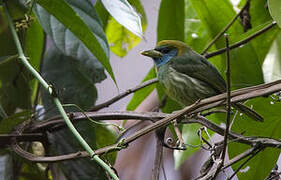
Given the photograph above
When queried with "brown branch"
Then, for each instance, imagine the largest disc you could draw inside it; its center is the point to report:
(239, 43)
(227, 99)
(124, 94)
(236, 96)
(57, 122)
(225, 28)
(228, 107)
(158, 157)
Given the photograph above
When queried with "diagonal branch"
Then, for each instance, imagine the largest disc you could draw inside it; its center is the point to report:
(244, 41)
(124, 94)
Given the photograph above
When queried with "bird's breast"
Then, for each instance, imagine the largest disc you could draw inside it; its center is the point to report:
(182, 88)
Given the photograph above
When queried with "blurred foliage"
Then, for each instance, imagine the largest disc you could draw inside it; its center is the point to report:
(78, 36)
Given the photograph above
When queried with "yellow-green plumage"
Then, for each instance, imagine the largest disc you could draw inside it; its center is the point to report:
(187, 76)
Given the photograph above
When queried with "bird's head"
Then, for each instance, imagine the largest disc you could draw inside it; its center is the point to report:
(165, 51)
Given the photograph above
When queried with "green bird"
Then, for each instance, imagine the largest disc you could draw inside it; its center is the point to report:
(187, 76)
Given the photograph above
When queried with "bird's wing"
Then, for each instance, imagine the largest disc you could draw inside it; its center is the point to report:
(198, 67)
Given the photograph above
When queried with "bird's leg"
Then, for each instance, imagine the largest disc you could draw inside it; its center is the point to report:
(181, 144)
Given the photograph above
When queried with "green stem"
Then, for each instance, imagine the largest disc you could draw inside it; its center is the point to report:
(55, 99)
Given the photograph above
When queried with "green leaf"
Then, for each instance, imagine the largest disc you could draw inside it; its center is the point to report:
(196, 35)
(140, 95)
(7, 124)
(70, 79)
(275, 9)
(88, 30)
(103, 14)
(171, 20)
(120, 39)
(124, 14)
(34, 42)
(33, 47)
(259, 13)
(104, 137)
(262, 164)
(245, 68)
(259, 17)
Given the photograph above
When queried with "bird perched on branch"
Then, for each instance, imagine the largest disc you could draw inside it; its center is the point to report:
(187, 76)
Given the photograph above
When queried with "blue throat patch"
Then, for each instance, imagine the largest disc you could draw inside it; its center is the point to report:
(165, 58)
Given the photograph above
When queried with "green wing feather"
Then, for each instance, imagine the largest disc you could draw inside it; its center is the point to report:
(198, 67)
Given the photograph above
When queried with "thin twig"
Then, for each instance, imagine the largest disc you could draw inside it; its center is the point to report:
(240, 157)
(239, 43)
(224, 29)
(124, 94)
(228, 105)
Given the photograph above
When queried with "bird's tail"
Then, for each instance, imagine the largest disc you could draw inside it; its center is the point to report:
(248, 111)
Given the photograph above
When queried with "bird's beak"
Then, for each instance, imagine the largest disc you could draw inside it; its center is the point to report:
(152, 53)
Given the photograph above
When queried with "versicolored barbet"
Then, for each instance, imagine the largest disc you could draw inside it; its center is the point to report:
(187, 76)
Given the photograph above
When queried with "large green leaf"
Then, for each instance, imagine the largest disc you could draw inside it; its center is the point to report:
(171, 20)
(120, 39)
(140, 95)
(245, 67)
(125, 14)
(196, 35)
(262, 164)
(103, 14)
(80, 39)
(275, 9)
(69, 78)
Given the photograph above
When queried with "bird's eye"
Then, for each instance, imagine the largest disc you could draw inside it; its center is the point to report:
(165, 51)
